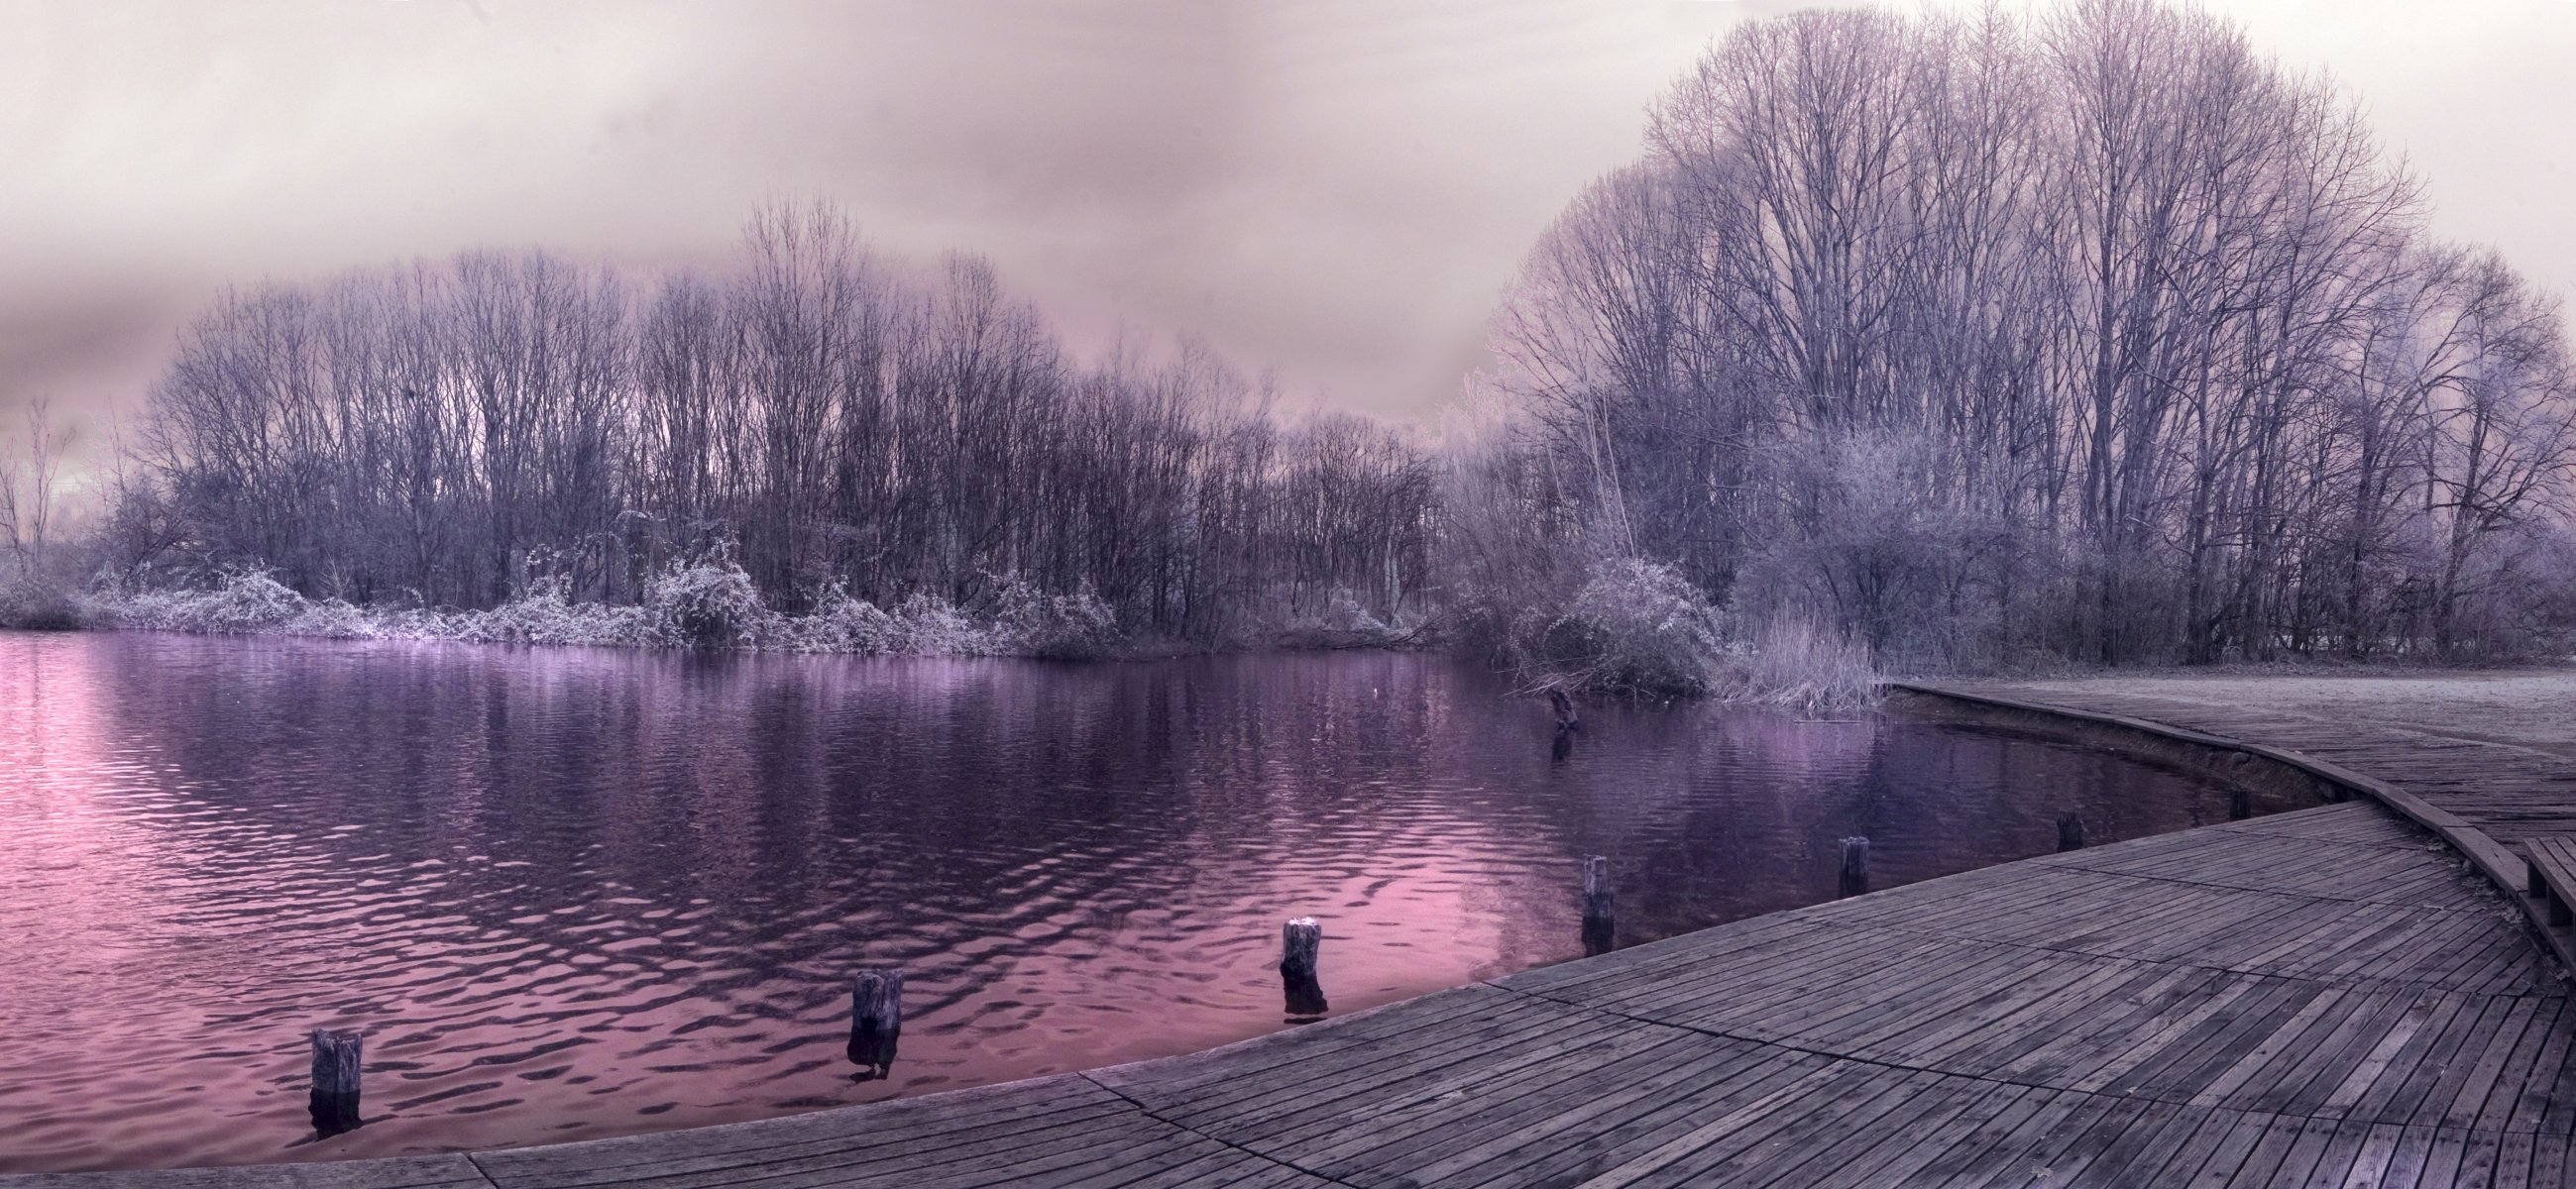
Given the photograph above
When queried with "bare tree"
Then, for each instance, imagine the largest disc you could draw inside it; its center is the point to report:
(2100, 336)
(468, 432)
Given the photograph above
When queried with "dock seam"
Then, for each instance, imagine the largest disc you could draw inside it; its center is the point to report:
(1265, 1157)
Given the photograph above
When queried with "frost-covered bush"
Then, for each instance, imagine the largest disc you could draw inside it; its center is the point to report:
(1633, 626)
(247, 602)
(708, 603)
(1342, 615)
(1345, 614)
(30, 605)
(335, 619)
(705, 602)
(927, 625)
(840, 623)
(244, 601)
(544, 613)
(1064, 627)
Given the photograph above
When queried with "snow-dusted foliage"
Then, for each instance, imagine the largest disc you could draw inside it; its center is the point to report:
(1032, 622)
(841, 623)
(544, 613)
(1633, 625)
(243, 601)
(1636, 626)
(30, 605)
(705, 602)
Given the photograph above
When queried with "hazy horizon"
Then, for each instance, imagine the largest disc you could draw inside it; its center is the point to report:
(1336, 190)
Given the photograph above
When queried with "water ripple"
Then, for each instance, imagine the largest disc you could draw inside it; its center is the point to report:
(572, 893)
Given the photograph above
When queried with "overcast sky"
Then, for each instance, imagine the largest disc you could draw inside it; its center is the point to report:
(1339, 189)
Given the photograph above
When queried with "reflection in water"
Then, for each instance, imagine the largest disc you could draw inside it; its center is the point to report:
(568, 893)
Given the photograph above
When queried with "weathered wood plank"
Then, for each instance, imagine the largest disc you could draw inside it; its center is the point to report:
(413, 1172)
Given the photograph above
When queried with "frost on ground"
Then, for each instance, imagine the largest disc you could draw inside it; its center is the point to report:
(2525, 707)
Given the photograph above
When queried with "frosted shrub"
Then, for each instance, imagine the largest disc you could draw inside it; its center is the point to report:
(30, 605)
(1064, 627)
(544, 613)
(1343, 613)
(536, 615)
(333, 619)
(707, 602)
(841, 623)
(710, 603)
(927, 625)
(1634, 625)
(246, 602)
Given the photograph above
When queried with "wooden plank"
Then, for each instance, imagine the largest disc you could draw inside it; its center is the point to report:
(1600, 1102)
(968, 1119)
(1904, 1149)
(408, 1172)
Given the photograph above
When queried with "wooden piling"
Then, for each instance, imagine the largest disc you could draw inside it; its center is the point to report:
(1855, 879)
(1598, 899)
(2070, 831)
(1301, 943)
(1599, 907)
(336, 1062)
(876, 1019)
(2240, 805)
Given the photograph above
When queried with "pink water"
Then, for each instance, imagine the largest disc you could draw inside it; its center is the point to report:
(572, 893)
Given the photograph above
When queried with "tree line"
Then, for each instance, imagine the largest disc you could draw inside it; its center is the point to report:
(447, 434)
(1915, 341)
(1988, 340)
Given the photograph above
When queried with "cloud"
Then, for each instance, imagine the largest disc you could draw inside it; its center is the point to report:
(1334, 187)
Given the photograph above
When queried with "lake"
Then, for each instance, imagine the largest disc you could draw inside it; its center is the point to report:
(571, 893)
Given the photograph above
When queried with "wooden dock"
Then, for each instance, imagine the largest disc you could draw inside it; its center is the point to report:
(2328, 997)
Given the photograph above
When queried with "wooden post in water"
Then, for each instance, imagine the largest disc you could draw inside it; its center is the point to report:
(1300, 943)
(1566, 725)
(876, 1020)
(1855, 866)
(1564, 707)
(2240, 804)
(336, 1060)
(2070, 831)
(1599, 905)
